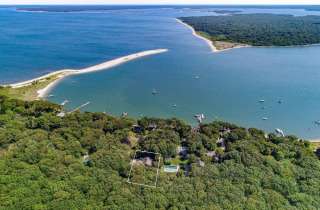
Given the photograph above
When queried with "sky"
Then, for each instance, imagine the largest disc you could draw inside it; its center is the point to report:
(8, 2)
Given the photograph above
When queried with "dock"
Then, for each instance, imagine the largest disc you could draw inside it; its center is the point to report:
(79, 107)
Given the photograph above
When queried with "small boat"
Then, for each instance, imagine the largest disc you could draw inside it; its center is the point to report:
(265, 118)
(279, 131)
(64, 102)
(317, 122)
(49, 96)
(174, 105)
(261, 101)
(199, 117)
(154, 92)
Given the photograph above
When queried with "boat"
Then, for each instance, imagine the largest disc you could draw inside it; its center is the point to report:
(174, 105)
(317, 122)
(261, 101)
(64, 102)
(199, 117)
(154, 92)
(279, 132)
(265, 118)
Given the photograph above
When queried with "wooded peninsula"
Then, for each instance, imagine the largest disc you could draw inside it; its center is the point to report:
(258, 29)
(83, 161)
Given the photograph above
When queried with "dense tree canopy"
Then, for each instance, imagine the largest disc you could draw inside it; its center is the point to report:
(259, 29)
(82, 161)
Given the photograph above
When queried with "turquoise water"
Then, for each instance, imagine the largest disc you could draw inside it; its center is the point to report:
(230, 83)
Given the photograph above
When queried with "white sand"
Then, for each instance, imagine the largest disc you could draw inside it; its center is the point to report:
(208, 41)
(67, 72)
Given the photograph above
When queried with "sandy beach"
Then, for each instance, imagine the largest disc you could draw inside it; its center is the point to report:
(67, 72)
(209, 42)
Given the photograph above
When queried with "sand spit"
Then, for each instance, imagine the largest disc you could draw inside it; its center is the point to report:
(59, 75)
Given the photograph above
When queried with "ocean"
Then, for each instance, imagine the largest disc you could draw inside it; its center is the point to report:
(189, 78)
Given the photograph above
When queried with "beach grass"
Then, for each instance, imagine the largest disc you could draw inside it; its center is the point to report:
(28, 92)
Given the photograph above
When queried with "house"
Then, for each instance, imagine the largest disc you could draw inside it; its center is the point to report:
(147, 161)
(152, 126)
(61, 114)
(221, 143)
(183, 151)
(137, 129)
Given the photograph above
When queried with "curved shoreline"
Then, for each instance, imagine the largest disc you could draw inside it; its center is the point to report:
(60, 74)
(208, 41)
(194, 33)
(215, 50)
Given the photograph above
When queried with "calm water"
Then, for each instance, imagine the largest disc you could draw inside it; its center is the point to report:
(230, 83)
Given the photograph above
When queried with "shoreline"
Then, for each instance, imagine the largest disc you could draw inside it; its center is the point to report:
(61, 74)
(215, 50)
(194, 33)
(208, 41)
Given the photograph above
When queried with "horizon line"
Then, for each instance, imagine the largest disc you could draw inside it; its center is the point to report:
(138, 4)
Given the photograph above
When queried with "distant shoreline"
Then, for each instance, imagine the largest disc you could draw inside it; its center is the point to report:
(216, 49)
(208, 41)
(57, 76)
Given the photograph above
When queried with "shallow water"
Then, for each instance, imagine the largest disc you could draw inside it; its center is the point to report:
(230, 83)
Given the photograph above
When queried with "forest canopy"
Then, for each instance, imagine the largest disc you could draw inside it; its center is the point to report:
(82, 161)
(259, 29)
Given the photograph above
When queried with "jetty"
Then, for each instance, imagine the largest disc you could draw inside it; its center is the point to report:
(79, 107)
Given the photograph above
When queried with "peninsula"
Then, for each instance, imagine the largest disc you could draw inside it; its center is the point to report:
(243, 30)
(39, 87)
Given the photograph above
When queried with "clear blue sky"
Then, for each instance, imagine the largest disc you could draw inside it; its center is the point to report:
(160, 2)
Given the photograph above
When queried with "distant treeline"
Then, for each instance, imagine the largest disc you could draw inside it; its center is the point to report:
(259, 29)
